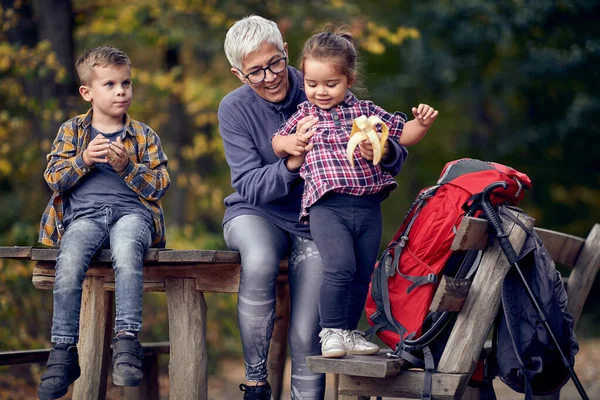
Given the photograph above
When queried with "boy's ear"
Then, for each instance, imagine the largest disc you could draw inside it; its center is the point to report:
(84, 91)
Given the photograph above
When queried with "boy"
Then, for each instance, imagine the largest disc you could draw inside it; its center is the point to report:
(108, 173)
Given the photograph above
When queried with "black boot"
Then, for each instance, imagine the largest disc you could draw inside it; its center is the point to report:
(256, 392)
(127, 361)
(63, 369)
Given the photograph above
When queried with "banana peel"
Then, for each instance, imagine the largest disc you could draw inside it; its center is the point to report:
(363, 128)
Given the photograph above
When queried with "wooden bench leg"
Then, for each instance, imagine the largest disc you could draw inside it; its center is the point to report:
(278, 347)
(187, 333)
(95, 334)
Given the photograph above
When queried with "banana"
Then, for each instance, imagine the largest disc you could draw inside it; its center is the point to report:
(363, 128)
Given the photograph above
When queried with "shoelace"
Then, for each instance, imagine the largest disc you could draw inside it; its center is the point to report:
(327, 334)
(356, 335)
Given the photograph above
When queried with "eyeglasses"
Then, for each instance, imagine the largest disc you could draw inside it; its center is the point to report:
(259, 75)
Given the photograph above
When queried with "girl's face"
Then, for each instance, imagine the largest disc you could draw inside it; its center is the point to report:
(324, 83)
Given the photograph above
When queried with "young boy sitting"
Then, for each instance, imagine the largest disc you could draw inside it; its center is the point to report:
(108, 173)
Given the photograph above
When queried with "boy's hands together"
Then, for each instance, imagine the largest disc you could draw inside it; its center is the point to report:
(117, 155)
(96, 151)
(424, 114)
(100, 150)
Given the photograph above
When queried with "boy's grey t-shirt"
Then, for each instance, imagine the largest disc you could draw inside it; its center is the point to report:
(102, 186)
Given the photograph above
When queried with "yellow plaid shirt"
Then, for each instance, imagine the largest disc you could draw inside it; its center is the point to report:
(146, 173)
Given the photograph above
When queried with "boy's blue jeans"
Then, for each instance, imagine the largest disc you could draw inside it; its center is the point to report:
(129, 235)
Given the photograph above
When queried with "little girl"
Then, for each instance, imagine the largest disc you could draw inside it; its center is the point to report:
(344, 200)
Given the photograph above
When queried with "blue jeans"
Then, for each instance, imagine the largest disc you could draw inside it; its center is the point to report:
(262, 245)
(347, 231)
(129, 235)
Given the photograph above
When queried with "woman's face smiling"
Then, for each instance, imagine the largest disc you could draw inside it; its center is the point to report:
(274, 87)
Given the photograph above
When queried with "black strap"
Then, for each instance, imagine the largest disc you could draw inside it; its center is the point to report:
(429, 370)
(128, 351)
(61, 357)
(418, 280)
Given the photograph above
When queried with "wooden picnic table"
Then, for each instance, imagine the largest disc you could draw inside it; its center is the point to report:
(185, 275)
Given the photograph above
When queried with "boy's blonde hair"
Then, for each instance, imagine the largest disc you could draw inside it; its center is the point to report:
(102, 56)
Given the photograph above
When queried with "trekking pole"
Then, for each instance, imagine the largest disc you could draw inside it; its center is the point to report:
(509, 252)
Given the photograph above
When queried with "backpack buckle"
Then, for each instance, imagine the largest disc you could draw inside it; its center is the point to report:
(403, 240)
(431, 278)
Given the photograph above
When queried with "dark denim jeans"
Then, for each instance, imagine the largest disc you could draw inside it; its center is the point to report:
(129, 235)
(262, 245)
(347, 231)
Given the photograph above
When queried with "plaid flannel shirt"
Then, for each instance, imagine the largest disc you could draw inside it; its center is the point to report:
(326, 167)
(146, 173)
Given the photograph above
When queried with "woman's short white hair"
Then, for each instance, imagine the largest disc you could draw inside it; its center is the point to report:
(247, 35)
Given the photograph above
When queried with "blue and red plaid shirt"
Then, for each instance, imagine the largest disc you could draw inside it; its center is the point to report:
(146, 173)
(326, 167)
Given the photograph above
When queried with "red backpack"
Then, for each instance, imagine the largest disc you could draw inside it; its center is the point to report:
(406, 276)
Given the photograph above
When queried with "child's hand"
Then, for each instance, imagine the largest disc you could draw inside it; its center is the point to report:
(366, 150)
(117, 155)
(296, 144)
(96, 151)
(425, 114)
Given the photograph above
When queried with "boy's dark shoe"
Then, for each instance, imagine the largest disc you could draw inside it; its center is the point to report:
(63, 369)
(127, 361)
(256, 392)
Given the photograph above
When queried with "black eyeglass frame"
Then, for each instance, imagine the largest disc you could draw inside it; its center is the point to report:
(264, 70)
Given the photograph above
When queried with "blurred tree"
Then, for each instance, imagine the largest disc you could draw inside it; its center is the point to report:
(514, 82)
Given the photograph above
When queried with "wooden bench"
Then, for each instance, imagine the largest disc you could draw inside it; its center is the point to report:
(361, 377)
(185, 275)
(148, 390)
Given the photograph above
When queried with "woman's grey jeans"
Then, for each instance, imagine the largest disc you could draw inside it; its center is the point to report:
(262, 245)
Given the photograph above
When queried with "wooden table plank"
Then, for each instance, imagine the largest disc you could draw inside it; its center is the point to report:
(15, 252)
(408, 384)
(376, 366)
(199, 256)
(104, 256)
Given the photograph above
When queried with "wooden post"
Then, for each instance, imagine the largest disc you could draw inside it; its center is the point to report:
(580, 283)
(95, 333)
(278, 347)
(187, 334)
(477, 315)
(584, 273)
(149, 389)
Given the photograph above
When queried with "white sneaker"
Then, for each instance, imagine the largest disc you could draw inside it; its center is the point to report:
(355, 343)
(332, 342)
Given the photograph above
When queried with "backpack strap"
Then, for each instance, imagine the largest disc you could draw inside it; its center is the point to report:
(429, 370)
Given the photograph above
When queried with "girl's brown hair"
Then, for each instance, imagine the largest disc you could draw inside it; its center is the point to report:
(334, 45)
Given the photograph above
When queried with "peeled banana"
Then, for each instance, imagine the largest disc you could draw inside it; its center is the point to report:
(363, 128)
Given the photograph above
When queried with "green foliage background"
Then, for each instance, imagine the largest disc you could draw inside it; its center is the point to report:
(515, 82)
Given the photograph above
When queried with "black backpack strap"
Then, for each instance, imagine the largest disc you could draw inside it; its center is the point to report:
(429, 370)
(418, 280)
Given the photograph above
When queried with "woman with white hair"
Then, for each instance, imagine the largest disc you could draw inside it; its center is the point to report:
(261, 217)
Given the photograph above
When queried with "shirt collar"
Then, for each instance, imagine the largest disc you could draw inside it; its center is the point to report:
(86, 122)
